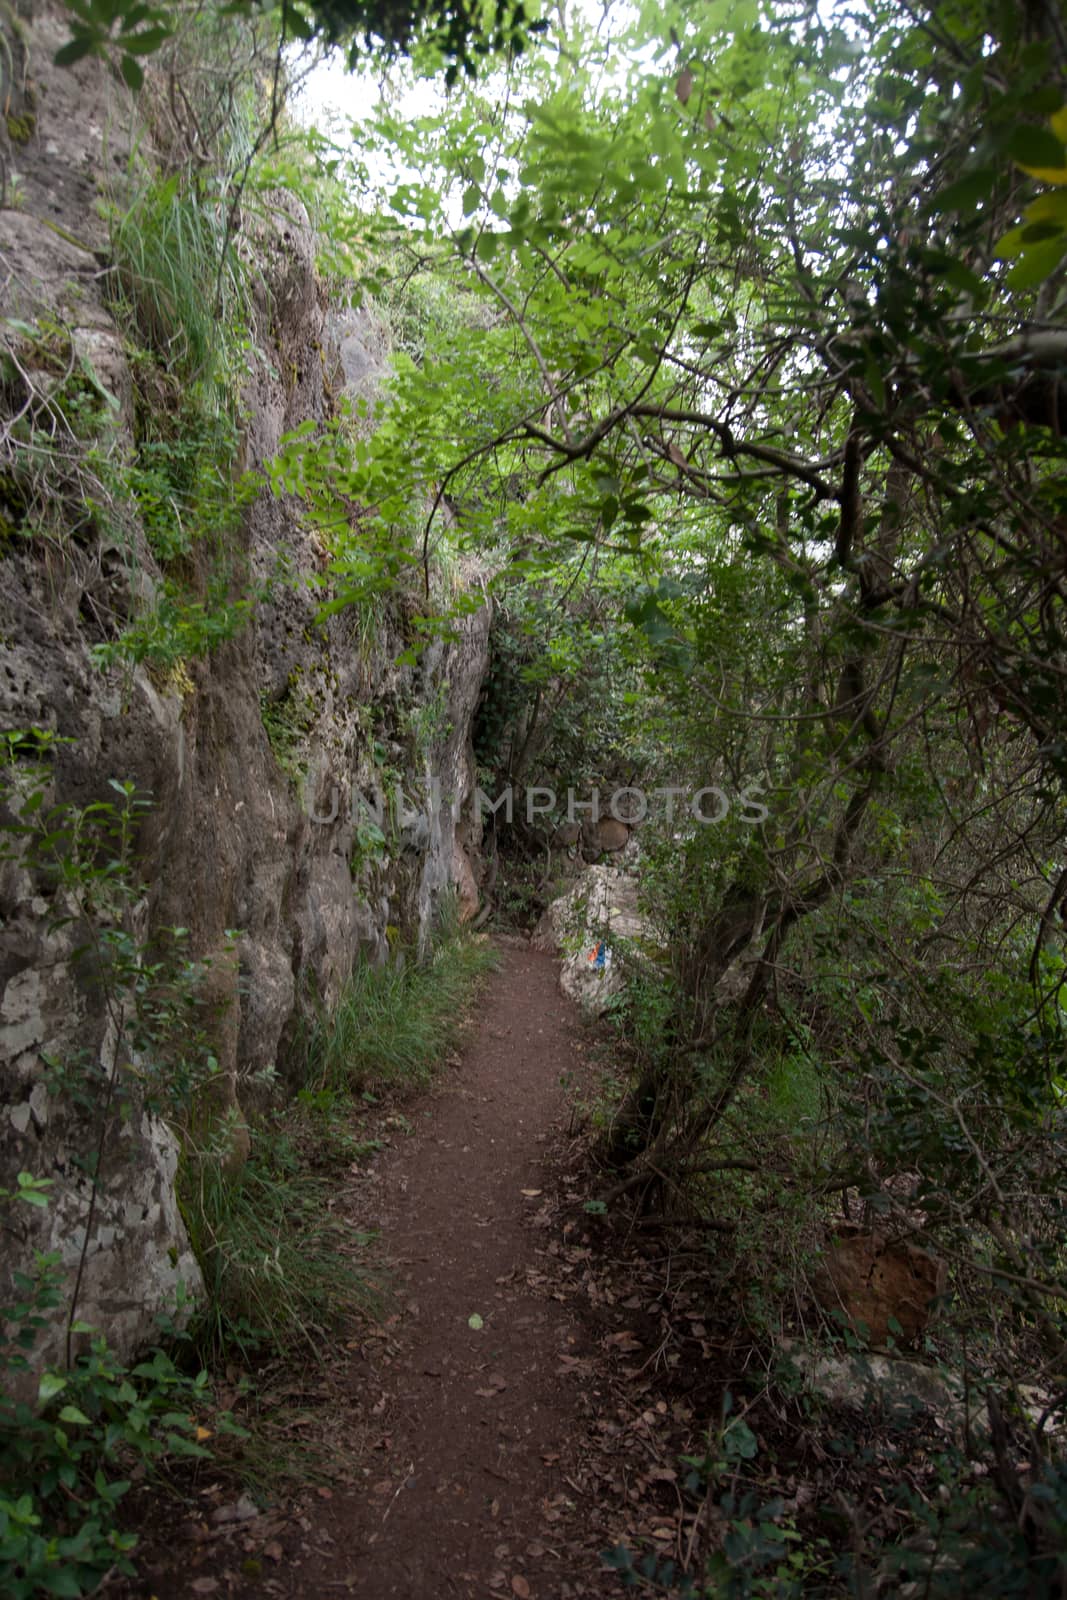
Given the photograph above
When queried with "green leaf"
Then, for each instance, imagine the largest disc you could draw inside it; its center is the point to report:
(74, 50)
(474, 1321)
(1010, 246)
(61, 1581)
(72, 1414)
(967, 192)
(1038, 263)
(1048, 207)
(1031, 146)
(51, 1384)
(132, 73)
(143, 44)
(33, 1190)
(1037, 232)
(739, 1441)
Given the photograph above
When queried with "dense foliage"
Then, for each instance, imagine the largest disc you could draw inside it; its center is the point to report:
(749, 387)
(729, 344)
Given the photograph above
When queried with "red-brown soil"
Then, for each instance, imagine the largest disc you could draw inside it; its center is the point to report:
(468, 1473)
(468, 1494)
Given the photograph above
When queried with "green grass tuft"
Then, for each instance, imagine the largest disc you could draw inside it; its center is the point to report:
(394, 1024)
(280, 1268)
(174, 277)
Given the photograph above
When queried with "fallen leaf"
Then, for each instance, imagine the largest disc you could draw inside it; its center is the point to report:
(204, 1585)
(623, 1341)
(520, 1587)
(531, 1194)
(243, 1510)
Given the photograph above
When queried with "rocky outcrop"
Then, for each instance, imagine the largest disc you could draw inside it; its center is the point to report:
(878, 1283)
(605, 837)
(905, 1391)
(256, 757)
(588, 924)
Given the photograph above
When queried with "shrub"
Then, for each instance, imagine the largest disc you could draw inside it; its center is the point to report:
(67, 1463)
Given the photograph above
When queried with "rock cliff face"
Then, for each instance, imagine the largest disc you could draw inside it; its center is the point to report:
(252, 755)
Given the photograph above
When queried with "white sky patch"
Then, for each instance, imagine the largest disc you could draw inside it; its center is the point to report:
(339, 102)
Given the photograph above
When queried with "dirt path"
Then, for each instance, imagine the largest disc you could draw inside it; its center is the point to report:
(468, 1494)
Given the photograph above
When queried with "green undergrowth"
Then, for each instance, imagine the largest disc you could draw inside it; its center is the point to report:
(395, 1023)
(75, 1436)
(174, 275)
(282, 1269)
(282, 1266)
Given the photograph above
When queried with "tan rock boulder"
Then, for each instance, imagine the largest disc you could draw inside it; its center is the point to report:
(873, 1280)
(466, 884)
(605, 835)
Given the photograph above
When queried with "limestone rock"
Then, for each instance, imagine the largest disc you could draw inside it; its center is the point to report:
(600, 905)
(905, 1391)
(895, 1387)
(249, 830)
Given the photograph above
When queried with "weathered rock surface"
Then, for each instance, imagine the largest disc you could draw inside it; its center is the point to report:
(875, 1281)
(605, 837)
(243, 836)
(581, 924)
(897, 1388)
(904, 1391)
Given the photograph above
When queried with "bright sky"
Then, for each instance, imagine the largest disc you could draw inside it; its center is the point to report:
(334, 99)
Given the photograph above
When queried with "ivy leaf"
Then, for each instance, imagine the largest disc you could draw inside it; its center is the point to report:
(51, 1384)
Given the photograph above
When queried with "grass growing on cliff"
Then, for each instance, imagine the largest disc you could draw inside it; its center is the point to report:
(395, 1023)
(174, 275)
(280, 1267)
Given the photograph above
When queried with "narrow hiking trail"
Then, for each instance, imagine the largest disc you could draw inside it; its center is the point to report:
(500, 1459)
(468, 1494)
